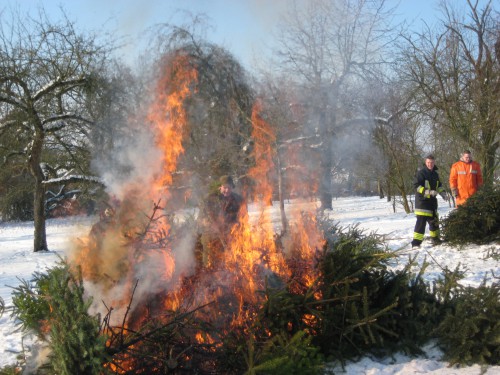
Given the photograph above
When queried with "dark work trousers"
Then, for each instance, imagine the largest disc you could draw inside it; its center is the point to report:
(418, 233)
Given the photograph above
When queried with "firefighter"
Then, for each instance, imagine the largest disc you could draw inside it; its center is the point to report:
(427, 186)
(465, 178)
(220, 212)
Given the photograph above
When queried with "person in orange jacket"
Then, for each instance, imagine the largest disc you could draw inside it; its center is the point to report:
(465, 178)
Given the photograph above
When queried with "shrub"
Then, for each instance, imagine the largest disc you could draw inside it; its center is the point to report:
(356, 306)
(53, 306)
(283, 355)
(477, 221)
(469, 332)
(369, 308)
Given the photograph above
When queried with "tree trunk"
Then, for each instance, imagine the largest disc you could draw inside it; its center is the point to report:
(380, 189)
(389, 190)
(284, 222)
(326, 181)
(488, 168)
(406, 205)
(325, 187)
(40, 240)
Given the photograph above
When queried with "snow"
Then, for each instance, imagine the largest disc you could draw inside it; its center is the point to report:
(18, 262)
(72, 178)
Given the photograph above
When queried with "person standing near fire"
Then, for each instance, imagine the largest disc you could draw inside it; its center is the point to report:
(219, 214)
(99, 229)
(427, 185)
(465, 178)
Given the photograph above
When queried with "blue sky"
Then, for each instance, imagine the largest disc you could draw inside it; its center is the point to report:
(242, 26)
(239, 25)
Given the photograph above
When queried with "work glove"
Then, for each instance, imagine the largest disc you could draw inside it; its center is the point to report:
(444, 196)
(454, 192)
(433, 193)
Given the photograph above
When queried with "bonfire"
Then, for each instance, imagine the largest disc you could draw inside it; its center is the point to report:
(143, 265)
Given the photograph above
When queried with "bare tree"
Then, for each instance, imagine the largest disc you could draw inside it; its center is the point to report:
(47, 72)
(328, 45)
(219, 107)
(457, 70)
(292, 152)
(399, 154)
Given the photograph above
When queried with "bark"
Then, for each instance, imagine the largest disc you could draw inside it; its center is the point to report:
(40, 240)
(490, 164)
(389, 190)
(325, 187)
(406, 205)
(40, 235)
(284, 222)
(380, 189)
(326, 181)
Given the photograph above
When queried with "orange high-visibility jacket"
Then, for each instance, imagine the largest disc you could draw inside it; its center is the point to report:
(466, 178)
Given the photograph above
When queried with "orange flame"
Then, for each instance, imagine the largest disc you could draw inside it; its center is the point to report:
(168, 115)
(251, 255)
(264, 141)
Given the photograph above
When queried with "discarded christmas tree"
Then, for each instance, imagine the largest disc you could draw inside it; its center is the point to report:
(477, 221)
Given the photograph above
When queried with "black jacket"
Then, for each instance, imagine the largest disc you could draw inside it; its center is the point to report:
(426, 179)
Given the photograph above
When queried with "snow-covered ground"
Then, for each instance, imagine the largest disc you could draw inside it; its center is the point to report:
(18, 261)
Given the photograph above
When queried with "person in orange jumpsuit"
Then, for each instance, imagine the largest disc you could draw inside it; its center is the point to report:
(465, 178)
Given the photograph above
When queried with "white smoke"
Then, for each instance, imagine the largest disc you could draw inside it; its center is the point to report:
(136, 161)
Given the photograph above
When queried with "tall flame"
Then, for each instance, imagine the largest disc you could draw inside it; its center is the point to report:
(264, 142)
(168, 115)
(251, 254)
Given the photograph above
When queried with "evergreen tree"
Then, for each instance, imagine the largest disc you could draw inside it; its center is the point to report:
(54, 307)
(469, 331)
(477, 221)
